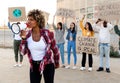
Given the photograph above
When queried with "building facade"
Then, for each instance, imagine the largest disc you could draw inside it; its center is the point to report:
(83, 7)
(88, 8)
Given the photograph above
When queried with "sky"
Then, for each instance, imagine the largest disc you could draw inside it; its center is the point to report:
(45, 5)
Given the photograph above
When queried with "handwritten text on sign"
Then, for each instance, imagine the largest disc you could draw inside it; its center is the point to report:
(65, 12)
(108, 11)
(87, 44)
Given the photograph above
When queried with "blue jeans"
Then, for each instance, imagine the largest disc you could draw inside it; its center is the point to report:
(104, 48)
(61, 48)
(71, 44)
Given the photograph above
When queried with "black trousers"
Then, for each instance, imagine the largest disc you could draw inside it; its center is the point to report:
(16, 50)
(90, 59)
(48, 74)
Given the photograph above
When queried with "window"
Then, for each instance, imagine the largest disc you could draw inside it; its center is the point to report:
(90, 15)
(90, 9)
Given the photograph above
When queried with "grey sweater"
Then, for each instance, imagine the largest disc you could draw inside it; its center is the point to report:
(59, 34)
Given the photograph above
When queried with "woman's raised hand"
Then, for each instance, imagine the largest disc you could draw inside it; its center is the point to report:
(83, 17)
(23, 34)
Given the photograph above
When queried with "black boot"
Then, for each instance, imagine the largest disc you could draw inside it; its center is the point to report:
(100, 69)
(107, 70)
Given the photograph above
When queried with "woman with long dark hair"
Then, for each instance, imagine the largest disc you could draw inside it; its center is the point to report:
(87, 31)
(59, 36)
(71, 37)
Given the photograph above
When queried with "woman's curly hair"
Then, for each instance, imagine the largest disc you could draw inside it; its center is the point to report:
(38, 16)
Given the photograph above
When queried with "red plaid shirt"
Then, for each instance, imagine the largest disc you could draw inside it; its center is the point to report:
(52, 53)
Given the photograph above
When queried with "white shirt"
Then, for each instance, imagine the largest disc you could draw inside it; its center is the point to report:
(17, 37)
(104, 32)
(37, 49)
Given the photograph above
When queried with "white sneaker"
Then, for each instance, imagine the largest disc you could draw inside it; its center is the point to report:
(20, 65)
(90, 69)
(74, 67)
(67, 67)
(15, 65)
(82, 68)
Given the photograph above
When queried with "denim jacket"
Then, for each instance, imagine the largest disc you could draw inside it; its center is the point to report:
(73, 35)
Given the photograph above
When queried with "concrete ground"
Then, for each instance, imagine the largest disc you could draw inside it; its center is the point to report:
(10, 74)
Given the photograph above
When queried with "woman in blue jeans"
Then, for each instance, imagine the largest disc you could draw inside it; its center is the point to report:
(71, 37)
(59, 36)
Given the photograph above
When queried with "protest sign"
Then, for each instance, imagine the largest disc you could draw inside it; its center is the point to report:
(108, 11)
(65, 13)
(87, 45)
(17, 14)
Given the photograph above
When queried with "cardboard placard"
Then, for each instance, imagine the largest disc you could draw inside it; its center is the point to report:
(108, 11)
(87, 44)
(65, 13)
(17, 14)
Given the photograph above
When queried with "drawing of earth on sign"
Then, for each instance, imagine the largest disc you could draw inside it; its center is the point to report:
(17, 13)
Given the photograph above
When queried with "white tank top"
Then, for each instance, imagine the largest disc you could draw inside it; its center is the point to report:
(37, 49)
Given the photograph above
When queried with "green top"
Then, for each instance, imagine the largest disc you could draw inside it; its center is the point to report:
(117, 31)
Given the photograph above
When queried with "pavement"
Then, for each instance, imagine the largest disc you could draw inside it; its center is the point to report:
(10, 74)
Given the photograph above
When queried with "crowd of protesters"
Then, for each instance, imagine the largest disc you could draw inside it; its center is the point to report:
(45, 51)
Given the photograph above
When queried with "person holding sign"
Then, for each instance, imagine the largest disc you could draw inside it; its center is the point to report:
(40, 46)
(117, 31)
(87, 31)
(17, 40)
(71, 37)
(59, 36)
(104, 28)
